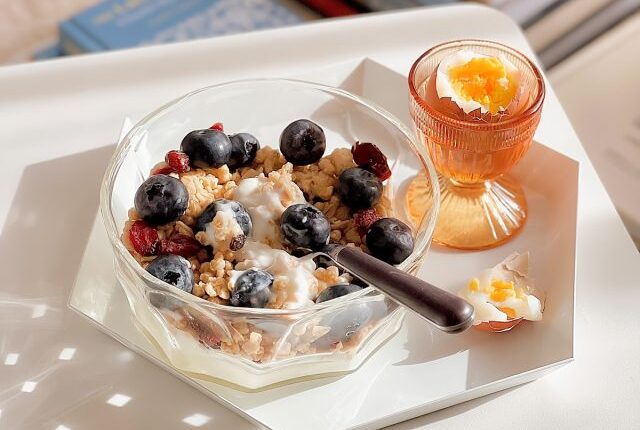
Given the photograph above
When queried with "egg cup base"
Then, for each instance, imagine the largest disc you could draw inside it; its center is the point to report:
(479, 216)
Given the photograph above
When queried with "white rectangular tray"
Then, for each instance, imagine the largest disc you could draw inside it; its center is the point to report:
(420, 370)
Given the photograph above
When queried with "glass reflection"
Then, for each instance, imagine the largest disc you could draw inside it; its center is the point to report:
(11, 359)
(196, 420)
(39, 310)
(29, 386)
(119, 400)
(67, 354)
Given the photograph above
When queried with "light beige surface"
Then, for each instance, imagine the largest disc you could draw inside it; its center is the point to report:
(27, 26)
(599, 89)
(72, 108)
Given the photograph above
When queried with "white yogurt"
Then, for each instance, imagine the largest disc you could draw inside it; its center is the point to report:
(222, 230)
(295, 274)
(265, 199)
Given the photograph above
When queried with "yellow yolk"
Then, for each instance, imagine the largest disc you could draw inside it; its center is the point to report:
(499, 290)
(502, 290)
(484, 80)
(511, 313)
(503, 293)
(474, 284)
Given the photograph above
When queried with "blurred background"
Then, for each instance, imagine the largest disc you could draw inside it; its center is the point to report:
(589, 49)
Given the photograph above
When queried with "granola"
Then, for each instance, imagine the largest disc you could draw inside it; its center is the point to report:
(244, 235)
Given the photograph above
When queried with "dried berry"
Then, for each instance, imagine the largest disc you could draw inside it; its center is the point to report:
(237, 242)
(180, 244)
(144, 238)
(369, 157)
(364, 218)
(217, 126)
(161, 168)
(204, 329)
(178, 161)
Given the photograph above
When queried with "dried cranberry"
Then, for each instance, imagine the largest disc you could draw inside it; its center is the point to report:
(205, 330)
(178, 161)
(208, 338)
(161, 169)
(237, 242)
(369, 157)
(144, 238)
(364, 218)
(217, 126)
(180, 244)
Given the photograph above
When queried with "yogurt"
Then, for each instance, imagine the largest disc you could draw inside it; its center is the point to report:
(293, 281)
(265, 199)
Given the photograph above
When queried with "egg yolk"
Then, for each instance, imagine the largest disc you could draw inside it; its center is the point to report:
(511, 313)
(484, 80)
(498, 291)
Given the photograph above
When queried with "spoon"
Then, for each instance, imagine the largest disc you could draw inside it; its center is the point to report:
(444, 310)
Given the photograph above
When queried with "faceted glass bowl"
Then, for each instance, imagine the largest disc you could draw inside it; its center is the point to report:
(220, 341)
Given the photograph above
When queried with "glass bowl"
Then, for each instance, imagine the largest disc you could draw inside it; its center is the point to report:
(219, 341)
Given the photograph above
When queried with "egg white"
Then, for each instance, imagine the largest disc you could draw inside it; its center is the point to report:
(463, 56)
(529, 308)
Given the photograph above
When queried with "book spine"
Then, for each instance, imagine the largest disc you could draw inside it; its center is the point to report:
(587, 31)
(74, 39)
(331, 8)
(383, 5)
(561, 21)
(51, 51)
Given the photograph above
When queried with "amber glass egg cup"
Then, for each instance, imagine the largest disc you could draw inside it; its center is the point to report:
(481, 205)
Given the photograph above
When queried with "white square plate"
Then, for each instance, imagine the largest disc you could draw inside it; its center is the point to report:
(424, 370)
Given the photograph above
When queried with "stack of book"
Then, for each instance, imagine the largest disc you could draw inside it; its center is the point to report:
(117, 24)
(574, 24)
(555, 28)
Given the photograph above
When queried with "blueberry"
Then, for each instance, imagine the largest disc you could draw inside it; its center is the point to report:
(305, 225)
(231, 207)
(359, 188)
(381, 308)
(390, 240)
(335, 291)
(252, 289)
(359, 282)
(161, 199)
(244, 147)
(300, 252)
(302, 142)
(207, 148)
(324, 262)
(174, 270)
(162, 300)
(345, 323)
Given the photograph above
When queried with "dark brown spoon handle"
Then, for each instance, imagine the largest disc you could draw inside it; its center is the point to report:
(446, 311)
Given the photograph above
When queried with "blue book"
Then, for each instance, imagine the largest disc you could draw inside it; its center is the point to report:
(116, 24)
(52, 51)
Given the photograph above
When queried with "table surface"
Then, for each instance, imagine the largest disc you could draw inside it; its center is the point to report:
(56, 135)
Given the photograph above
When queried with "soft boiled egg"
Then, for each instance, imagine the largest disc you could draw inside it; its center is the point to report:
(476, 81)
(503, 295)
